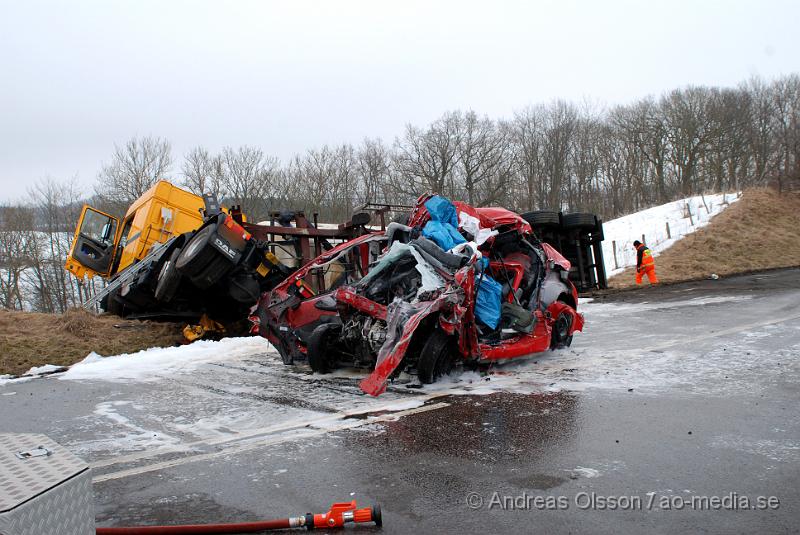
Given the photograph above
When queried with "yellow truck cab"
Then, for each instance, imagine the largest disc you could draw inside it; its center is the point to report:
(101, 246)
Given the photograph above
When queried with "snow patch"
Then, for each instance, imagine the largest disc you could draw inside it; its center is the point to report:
(653, 222)
(155, 363)
(586, 472)
(44, 370)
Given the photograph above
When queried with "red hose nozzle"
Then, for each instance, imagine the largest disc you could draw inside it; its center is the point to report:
(338, 515)
(343, 512)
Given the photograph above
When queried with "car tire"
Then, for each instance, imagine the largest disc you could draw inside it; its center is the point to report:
(198, 253)
(168, 279)
(559, 336)
(579, 220)
(436, 358)
(319, 347)
(542, 218)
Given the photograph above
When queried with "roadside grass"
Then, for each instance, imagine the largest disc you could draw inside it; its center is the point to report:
(761, 231)
(29, 339)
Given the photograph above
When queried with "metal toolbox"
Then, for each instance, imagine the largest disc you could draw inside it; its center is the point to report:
(44, 489)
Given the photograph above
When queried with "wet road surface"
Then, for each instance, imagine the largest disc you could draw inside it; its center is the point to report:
(672, 397)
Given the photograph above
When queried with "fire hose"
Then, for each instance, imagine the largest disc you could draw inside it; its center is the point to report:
(338, 515)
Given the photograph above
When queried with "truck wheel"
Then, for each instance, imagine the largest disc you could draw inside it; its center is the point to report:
(168, 279)
(579, 220)
(436, 358)
(542, 218)
(110, 304)
(212, 272)
(197, 254)
(321, 350)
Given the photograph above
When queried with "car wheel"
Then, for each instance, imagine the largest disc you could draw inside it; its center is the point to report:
(321, 347)
(168, 279)
(197, 254)
(559, 335)
(579, 220)
(436, 358)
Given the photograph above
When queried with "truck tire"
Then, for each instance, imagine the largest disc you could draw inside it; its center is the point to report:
(212, 272)
(436, 358)
(579, 220)
(168, 279)
(320, 350)
(111, 305)
(198, 253)
(542, 218)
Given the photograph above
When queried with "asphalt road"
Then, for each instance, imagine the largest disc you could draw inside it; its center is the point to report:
(675, 406)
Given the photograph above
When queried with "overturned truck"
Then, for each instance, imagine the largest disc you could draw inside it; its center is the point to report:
(179, 256)
(453, 285)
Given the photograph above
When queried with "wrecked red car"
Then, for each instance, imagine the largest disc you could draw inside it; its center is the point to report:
(455, 286)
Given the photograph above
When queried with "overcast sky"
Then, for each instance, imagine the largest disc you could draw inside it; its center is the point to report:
(78, 76)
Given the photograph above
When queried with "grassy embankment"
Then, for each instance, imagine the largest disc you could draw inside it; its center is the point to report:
(761, 231)
(30, 339)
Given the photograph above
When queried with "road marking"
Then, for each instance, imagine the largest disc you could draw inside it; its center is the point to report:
(249, 446)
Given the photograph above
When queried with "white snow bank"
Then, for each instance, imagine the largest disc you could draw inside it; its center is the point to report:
(620, 233)
(153, 363)
(42, 370)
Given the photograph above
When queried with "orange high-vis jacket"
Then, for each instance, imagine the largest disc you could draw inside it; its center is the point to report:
(644, 258)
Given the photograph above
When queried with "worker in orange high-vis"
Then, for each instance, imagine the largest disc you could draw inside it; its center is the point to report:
(644, 263)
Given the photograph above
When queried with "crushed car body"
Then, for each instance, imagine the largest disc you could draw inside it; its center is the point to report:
(455, 285)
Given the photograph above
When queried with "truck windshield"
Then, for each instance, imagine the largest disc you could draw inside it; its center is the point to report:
(98, 227)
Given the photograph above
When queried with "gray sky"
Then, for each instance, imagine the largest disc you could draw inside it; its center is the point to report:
(78, 76)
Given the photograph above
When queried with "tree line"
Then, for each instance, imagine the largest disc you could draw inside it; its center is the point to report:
(559, 156)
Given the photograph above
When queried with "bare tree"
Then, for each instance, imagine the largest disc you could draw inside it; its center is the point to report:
(247, 178)
(58, 206)
(528, 150)
(786, 91)
(561, 122)
(17, 242)
(202, 173)
(643, 125)
(689, 129)
(424, 160)
(484, 163)
(373, 171)
(134, 168)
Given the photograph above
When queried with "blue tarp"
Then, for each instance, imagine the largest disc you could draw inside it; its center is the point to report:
(487, 303)
(442, 210)
(443, 229)
(445, 235)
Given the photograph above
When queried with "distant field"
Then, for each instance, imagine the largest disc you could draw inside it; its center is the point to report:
(30, 339)
(761, 231)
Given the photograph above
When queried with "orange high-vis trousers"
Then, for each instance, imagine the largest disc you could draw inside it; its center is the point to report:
(650, 270)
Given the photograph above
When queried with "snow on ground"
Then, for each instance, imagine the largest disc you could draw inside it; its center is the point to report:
(237, 392)
(620, 233)
(155, 363)
(44, 370)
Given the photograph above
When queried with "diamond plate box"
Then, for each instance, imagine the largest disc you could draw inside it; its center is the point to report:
(44, 489)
